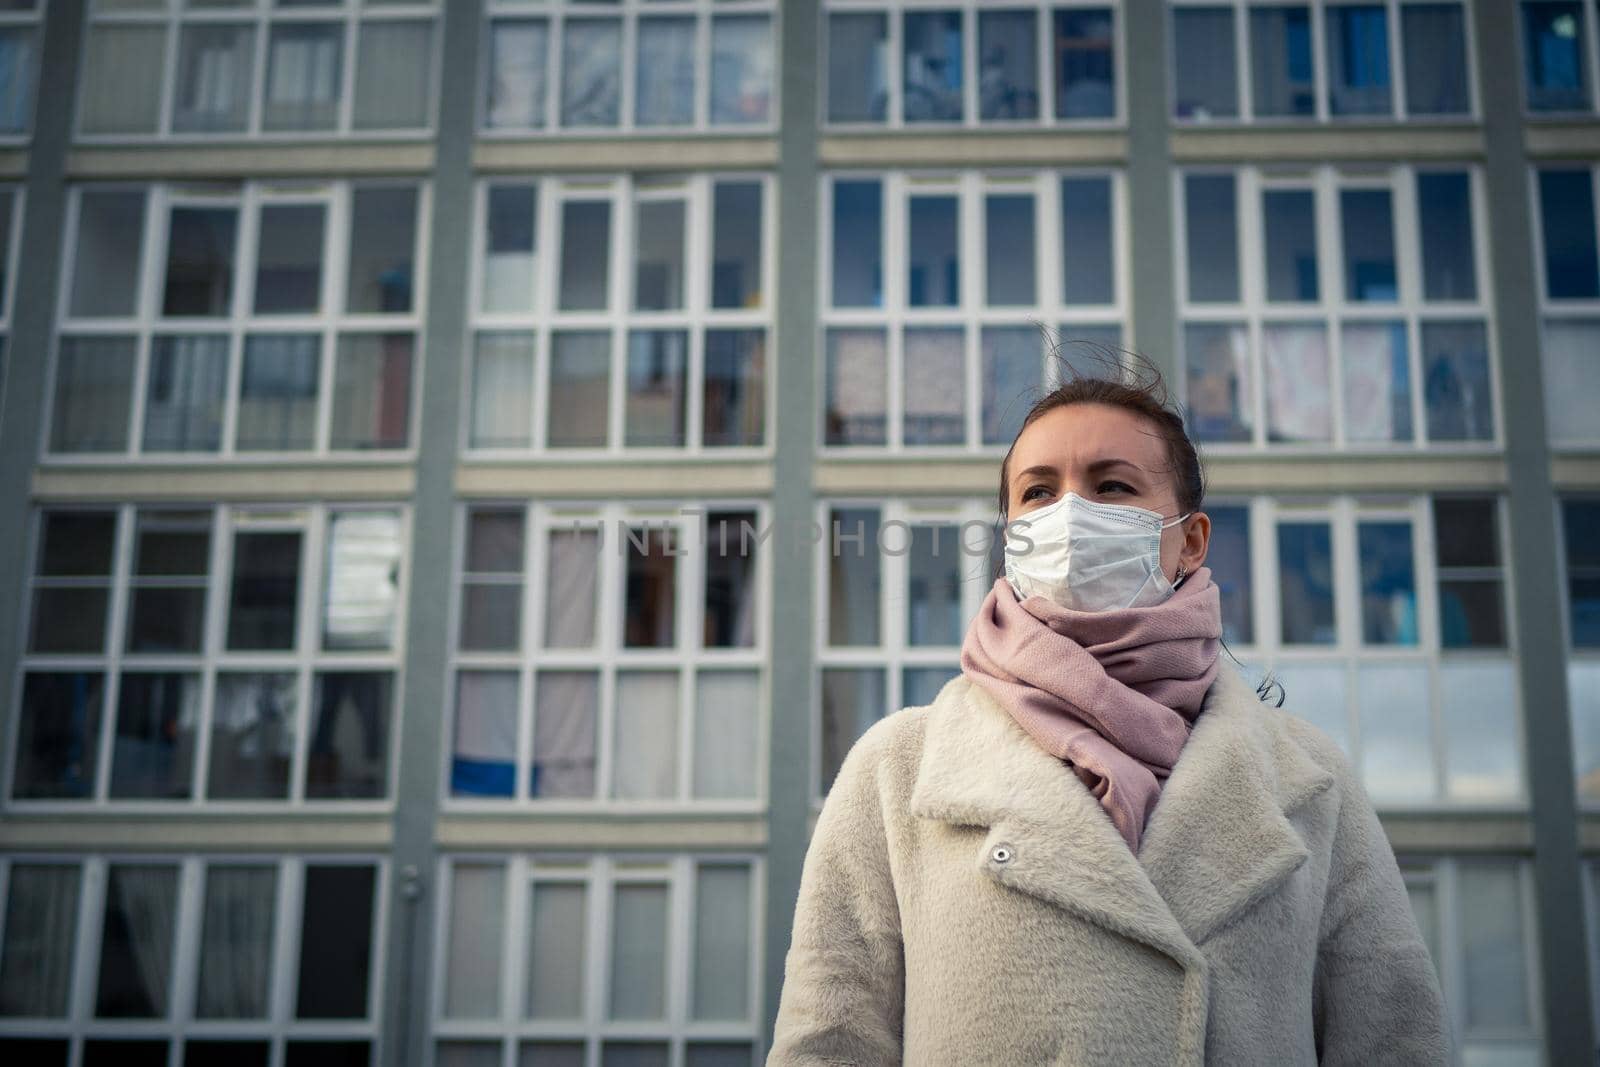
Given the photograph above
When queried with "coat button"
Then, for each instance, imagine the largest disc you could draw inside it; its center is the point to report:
(1001, 853)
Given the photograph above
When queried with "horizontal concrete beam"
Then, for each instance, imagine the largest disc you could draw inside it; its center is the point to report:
(889, 148)
(277, 832)
(217, 482)
(611, 154)
(347, 157)
(608, 478)
(463, 832)
(1386, 143)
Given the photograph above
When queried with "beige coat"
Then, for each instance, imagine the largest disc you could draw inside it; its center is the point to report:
(966, 900)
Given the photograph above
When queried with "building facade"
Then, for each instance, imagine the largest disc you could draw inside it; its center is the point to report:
(411, 408)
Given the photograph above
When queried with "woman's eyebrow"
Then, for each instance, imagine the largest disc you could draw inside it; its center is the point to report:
(1038, 468)
(1104, 464)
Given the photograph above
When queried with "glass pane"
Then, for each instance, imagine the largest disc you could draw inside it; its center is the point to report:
(1203, 62)
(1572, 379)
(327, 1054)
(591, 61)
(580, 386)
(335, 942)
(117, 1053)
(1367, 217)
(736, 245)
(935, 385)
(645, 740)
(123, 67)
(1316, 692)
(141, 907)
(502, 390)
(1085, 63)
(237, 943)
(349, 751)
(1396, 733)
(857, 388)
(1482, 753)
(516, 74)
(564, 725)
(650, 597)
(40, 934)
(1358, 60)
(1554, 60)
(1435, 39)
(731, 539)
(1388, 583)
(1008, 66)
(93, 387)
(76, 544)
(1579, 518)
(372, 391)
(392, 81)
(152, 754)
(510, 255)
(1444, 217)
(1566, 215)
(1425, 907)
(289, 260)
(265, 590)
(557, 932)
(633, 1054)
(934, 278)
(466, 1054)
(1011, 370)
(304, 74)
(585, 254)
(664, 73)
(107, 254)
(383, 242)
(1455, 369)
(361, 593)
(1229, 560)
(1220, 390)
(1087, 275)
(638, 952)
(657, 388)
(733, 409)
(1377, 382)
(858, 67)
(852, 700)
(932, 66)
(1295, 361)
(722, 942)
(933, 594)
(719, 1054)
(1212, 238)
(484, 747)
(1281, 80)
(472, 953)
(858, 243)
(854, 576)
(1494, 958)
(920, 685)
(572, 577)
(1305, 570)
(252, 736)
(1583, 692)
(726, 725)
(215, 73)
(58, 735)
(200, 253)
(741, 70)
(1288, 217)
(278, 392)
(183, 396)
(1009, 249)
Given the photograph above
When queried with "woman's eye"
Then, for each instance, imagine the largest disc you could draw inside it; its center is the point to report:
(1027, 494)
(1118, 487)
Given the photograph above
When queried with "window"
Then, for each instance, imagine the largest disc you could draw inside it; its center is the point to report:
(1558, 55)
(936, 288)
(251, 67)
(651, 957)
(1328, 309)
(671, 352)
(1264, 62)
(913, 65)
(19, 65)
(1568, 241)
(1476, 915)
(281, 318)
(10, 236)
(211, 654)
(220, 959)
(629, 66)
(1579, 514)
(609, 653)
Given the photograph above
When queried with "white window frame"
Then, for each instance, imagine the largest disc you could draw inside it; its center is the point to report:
(607, 656)
(1589, 43)
(1331, 311)
(261, 15)
(180, 1024)
(1562, 309)
(13, 260)
(545, 316)
(306, 660)
(972, 314)
(1587, 658)
(627, 12)
(894, 12)
(331, 323)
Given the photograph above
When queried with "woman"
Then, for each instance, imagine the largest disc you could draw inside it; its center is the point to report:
(992, 879)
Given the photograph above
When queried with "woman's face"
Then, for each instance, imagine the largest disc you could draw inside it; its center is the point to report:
(1110, 455)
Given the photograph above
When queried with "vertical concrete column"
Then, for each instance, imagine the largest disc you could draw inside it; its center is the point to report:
(789, 788)
(1547, 732)
(406, 1004)
(1143, 66)
(27, 350)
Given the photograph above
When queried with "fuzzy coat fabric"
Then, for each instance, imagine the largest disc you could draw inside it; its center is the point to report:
(965, 900)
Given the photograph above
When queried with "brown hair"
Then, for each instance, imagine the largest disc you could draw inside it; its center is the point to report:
(1134, 384)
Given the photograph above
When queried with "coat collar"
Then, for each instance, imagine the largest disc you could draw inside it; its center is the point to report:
(1218, 840)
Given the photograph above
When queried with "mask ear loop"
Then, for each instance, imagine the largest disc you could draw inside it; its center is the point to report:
(1182, 571)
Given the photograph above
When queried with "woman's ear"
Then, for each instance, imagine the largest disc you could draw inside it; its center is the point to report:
(1196, 541)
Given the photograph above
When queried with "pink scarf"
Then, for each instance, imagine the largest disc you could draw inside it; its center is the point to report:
(1113, 693)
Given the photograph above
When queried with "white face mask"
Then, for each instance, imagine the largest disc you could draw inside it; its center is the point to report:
(1088, 556)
